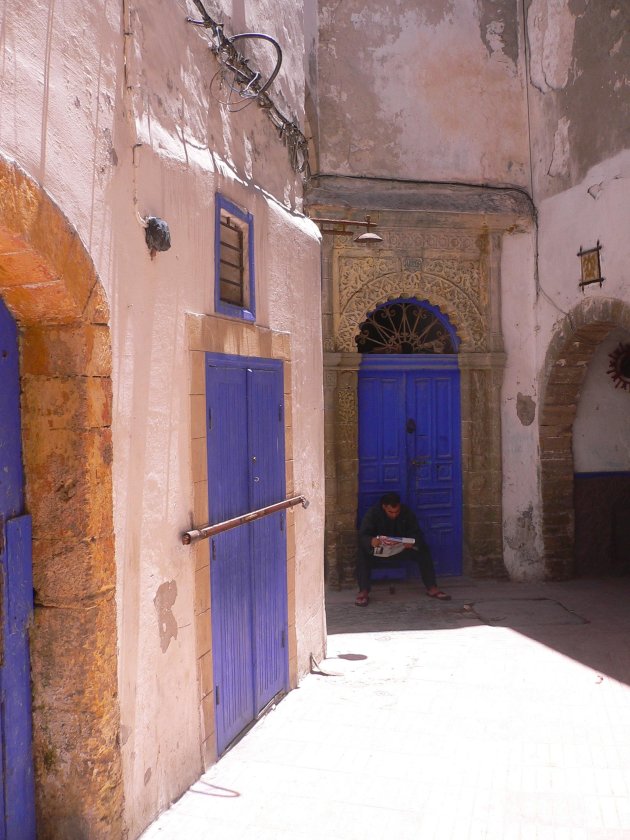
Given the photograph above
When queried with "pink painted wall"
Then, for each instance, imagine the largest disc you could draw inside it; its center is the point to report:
(76, 97)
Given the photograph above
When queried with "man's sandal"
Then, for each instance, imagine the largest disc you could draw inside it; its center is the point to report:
(437, 593)
(362, 599)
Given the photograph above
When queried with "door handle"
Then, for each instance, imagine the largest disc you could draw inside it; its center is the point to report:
(411, 426)
(418, 462)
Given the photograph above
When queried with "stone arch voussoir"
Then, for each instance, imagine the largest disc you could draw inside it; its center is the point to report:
(49, 283)
(569, 353)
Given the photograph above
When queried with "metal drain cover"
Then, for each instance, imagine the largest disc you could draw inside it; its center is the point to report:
(525, 612)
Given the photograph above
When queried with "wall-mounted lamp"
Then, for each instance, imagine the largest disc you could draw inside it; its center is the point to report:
(343, 227)
(157, 235)
(591, 266)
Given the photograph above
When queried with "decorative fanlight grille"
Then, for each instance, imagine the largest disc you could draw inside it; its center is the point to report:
(403, 327)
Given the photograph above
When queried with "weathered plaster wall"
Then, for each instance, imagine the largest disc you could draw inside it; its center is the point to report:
(430, 91)
(579, 67)
(579, 94)
(579, 71)
(519, 411)
(68, 116)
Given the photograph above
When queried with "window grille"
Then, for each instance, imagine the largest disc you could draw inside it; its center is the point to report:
(404, 327)
(234, 261)
(231, 263)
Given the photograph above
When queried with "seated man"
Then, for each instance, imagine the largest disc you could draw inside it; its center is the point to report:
(390, 518)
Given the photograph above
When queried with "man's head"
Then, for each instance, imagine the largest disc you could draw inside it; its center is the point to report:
(390, 503)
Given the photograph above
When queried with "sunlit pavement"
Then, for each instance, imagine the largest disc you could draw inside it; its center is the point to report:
(504, 713)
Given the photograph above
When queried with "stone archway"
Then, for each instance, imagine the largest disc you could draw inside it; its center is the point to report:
(49, 283)
(566, 363)
(457, 304)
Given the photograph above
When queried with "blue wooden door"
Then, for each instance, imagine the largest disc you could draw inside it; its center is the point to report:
(434, 484)
(267, 485)
(248, 563)
(410, 443)
(17, 802)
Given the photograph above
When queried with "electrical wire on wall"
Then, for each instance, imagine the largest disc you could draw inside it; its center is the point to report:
(156, 231)
(129, 109)
(237, 85)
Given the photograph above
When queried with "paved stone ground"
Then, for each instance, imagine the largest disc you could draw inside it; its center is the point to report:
(504, 713)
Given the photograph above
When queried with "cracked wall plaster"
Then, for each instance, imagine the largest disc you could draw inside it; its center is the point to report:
(579, 66)
(525, 409)
(497, 23)
(550, 29)
(164, 600)
(561, 154)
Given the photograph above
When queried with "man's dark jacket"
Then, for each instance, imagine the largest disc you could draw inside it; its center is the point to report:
(377, 523)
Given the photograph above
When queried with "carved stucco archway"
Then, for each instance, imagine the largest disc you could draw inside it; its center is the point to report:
(460, 287)
(566, 364)
(49, 283)
(443, 290)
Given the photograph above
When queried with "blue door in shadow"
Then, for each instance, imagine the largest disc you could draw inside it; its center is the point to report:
(246, 471)
(17, 803)
(410, 443)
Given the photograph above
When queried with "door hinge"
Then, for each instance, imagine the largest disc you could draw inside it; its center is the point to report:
(284, 638)
(214, 550)
(282, 521)
(209, 419)
(280, 413)
(216, 695)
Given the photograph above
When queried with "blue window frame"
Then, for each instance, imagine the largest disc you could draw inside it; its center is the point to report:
(234, 287)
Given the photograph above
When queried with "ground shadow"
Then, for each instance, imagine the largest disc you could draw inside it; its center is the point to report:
(587, 620)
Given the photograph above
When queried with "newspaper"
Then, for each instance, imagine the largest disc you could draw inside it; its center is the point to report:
(390, 546)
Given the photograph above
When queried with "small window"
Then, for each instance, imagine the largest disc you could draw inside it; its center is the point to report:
(234, 261)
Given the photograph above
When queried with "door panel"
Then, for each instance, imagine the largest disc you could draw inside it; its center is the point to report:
(19, 788)
(409, 442)
(17, 798)
(228, 474)
(248, 563)
(434, 491)
(266, 449)
(382, 446)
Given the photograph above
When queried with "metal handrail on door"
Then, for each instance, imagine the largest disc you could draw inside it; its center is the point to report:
(210, 530)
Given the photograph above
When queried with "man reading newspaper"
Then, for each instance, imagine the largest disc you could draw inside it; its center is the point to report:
(390, 528)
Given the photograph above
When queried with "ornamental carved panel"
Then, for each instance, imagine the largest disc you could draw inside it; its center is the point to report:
(437, 240)
(453, 285)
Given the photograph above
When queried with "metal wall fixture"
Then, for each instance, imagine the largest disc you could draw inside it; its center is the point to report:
(239, 85)
(591, 266)
(208, 531)
(344, 227)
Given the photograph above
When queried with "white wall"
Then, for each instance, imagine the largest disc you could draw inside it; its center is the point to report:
(66, 117)
(520, 410)
(601, 442)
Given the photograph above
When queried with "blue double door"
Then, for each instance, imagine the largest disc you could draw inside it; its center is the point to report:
(246, 471)
(410, 443)
(17, 806)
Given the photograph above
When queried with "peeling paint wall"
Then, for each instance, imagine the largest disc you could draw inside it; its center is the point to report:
(108, 124)
(579, 69)
(429, 91)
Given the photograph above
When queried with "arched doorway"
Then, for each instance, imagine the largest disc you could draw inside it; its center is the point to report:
(601, 456)
(569, 358)
(409, 420)
(49, 286)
